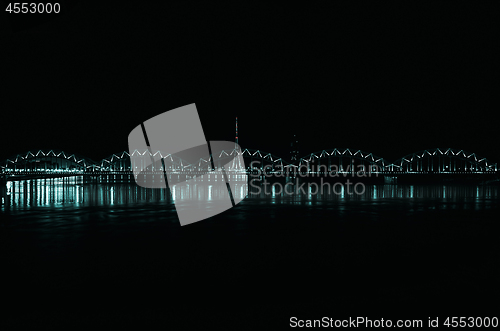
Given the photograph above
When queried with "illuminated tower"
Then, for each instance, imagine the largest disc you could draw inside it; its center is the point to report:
(294, 149)
(236, 165)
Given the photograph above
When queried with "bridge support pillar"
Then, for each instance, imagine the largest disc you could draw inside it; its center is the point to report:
(4, 197)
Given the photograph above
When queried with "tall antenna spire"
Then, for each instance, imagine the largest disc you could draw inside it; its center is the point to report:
(237, 131)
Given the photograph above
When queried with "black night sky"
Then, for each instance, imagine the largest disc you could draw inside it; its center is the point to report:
(104, 248)
(389, 79)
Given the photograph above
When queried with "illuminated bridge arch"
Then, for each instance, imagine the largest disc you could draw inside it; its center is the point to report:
(142, 158)
(342, 159)
(439, 160)
(48, 160)
(122, 161)
(116, 162)
(255, 158)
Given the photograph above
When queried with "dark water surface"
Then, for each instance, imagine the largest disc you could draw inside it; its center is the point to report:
(115, 255)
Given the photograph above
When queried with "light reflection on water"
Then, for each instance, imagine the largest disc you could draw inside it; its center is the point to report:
(73, 191)
(57, 192)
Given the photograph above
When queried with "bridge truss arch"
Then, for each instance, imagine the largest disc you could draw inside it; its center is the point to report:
(253, 160)
(342, 160)
(438, 160)
(256, 159)
(48, 161)
(142, 159)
